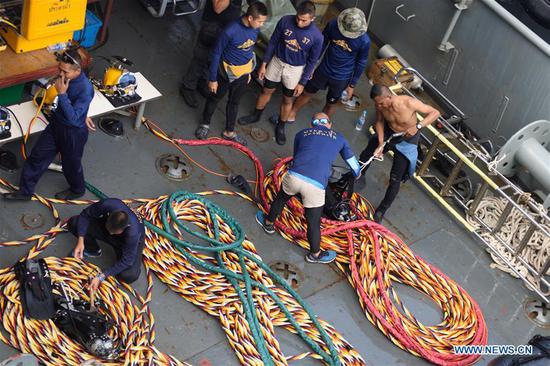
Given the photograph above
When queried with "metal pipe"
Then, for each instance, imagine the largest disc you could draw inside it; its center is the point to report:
(445, 45)
(519, 26)
(370, 13)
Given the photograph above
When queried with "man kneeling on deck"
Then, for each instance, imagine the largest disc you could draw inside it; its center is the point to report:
(315, 149)
(111, 221)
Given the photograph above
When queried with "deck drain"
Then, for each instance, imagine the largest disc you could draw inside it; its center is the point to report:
(538, 312)
(289, 272)
(259, 134)
(173, 167)
(32, 220)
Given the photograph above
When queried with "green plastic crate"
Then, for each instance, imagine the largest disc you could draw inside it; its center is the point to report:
(11, 95)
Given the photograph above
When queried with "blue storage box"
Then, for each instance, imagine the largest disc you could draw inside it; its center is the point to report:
(87, 36)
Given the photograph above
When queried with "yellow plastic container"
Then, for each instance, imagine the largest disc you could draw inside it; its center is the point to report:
(45, 22)
(20, 44)
(45, 18)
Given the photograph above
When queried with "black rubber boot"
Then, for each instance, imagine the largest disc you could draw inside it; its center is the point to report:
(252, 118)
(68, 195)
(280, 133)
(378, 216)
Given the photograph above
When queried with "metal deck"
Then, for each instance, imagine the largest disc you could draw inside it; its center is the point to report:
(125, 168)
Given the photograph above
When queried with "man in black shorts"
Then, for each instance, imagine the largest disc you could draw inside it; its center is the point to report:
(345, 59)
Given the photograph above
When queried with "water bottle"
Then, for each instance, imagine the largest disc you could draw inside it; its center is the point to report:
(361, 121)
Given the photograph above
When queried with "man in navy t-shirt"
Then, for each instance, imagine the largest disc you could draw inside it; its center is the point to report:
(66, 133)
(231, 63)
(315, 149)
(113, 222)
(343, 63)
(290, 58)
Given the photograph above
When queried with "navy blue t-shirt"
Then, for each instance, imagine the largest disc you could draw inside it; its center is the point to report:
(315, 150)
(295, 46)
(72, 107)
(345, 58)
(131, 236)
(235, 46)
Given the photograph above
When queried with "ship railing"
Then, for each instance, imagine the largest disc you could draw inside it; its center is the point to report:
(470, 160)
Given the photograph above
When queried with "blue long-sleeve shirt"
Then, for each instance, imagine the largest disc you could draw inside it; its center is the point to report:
(72, 106)
(315, 149)
(295, 46)
(131, 236)
(345, 58)
(234, 46)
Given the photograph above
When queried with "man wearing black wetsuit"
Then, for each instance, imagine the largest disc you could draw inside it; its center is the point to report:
(217, 14)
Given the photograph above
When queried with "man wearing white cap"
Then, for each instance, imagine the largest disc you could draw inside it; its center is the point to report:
(345, 60)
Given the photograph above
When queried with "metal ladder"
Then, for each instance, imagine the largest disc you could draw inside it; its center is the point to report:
(468, 156)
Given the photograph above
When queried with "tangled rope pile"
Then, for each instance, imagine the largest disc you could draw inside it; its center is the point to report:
(372, 257)
(176, 262)
(537, 251)
(233, 284)
(129, 310)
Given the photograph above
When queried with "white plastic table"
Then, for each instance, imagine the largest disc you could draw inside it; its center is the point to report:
(99, 106)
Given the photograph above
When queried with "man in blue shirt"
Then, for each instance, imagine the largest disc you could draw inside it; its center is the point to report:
(113, 222)
(293, 51)
(66, 133)
(315, 149)
(232, 62)
(343, 63)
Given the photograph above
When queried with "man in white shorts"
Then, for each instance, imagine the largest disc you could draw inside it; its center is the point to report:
(293, 51)
(315, 149)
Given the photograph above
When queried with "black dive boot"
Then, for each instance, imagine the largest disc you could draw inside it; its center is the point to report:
(252, 118)
(280, 133)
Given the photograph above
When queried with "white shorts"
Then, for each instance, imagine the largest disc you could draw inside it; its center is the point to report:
(278, 71)
(312, 196)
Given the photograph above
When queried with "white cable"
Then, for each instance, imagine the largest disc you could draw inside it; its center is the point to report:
(537, 250)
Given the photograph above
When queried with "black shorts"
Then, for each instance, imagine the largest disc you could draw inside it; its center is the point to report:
(274, 84)
(320, 81)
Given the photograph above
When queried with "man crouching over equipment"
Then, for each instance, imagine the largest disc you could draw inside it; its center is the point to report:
(111, 221)
(396, 129)
(315, 149)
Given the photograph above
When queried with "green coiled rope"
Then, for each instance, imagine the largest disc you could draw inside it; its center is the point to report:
(169, 215)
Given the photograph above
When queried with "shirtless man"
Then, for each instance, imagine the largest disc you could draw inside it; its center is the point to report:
(394, 114)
